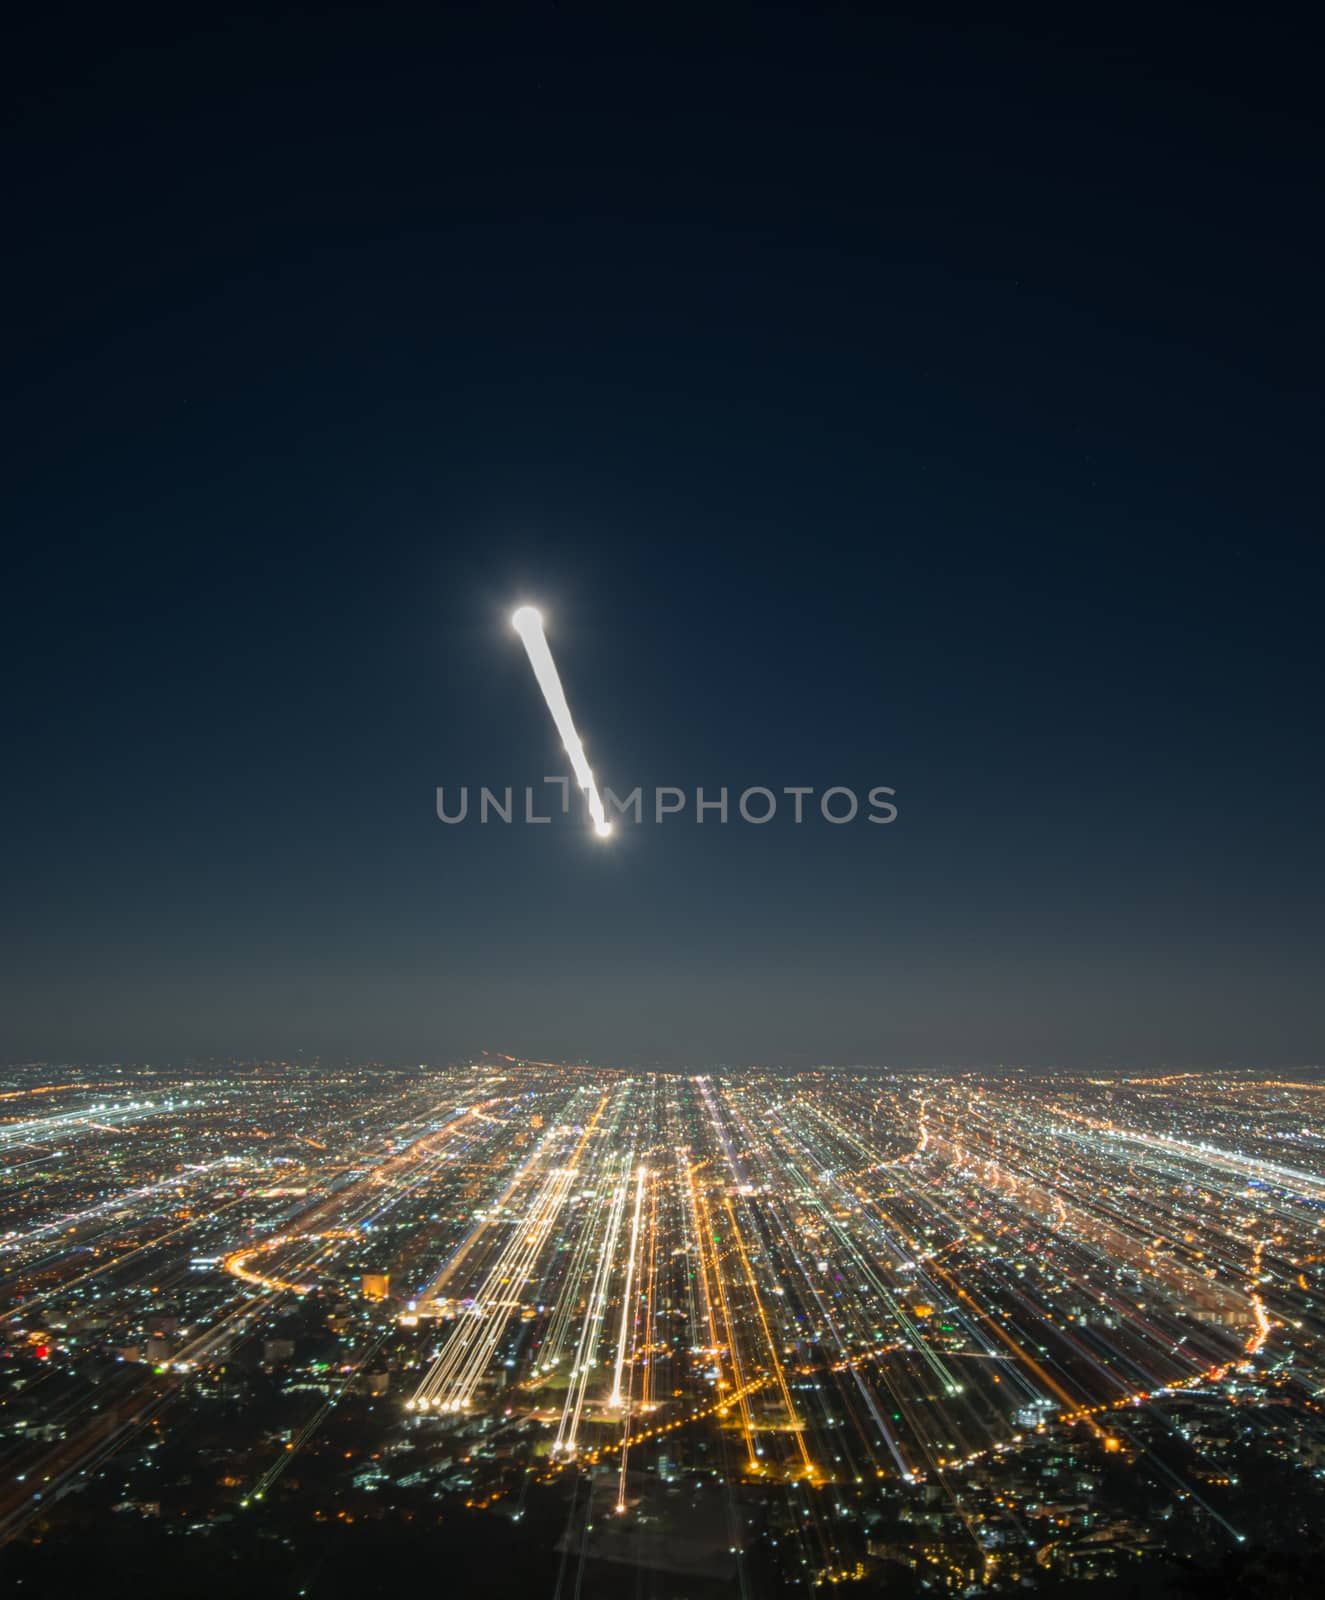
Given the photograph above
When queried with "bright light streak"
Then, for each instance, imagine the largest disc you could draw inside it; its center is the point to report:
(627, 1321)
(528, 623)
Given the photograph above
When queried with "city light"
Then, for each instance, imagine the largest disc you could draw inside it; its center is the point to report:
(969, 1291)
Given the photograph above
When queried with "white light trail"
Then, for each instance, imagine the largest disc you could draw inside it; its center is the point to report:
(528, 623)
(627, 1320)
(586, 1355)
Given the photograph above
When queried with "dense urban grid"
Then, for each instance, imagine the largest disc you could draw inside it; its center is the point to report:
(732, 1332)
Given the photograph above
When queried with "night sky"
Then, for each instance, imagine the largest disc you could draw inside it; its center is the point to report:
(863, 402)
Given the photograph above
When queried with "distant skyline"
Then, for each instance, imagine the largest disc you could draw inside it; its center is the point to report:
(861, 402)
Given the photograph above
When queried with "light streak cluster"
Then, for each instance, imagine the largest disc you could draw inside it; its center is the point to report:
(819, 1288)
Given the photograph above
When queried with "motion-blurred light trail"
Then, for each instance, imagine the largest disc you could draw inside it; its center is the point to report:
(528, 623)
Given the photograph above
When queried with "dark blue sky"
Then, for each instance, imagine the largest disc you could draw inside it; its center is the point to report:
(864, 402)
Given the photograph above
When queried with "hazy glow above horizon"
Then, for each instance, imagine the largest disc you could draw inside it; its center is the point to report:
(528, 623)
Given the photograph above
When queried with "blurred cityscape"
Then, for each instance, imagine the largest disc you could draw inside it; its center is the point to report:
(586, 1331)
